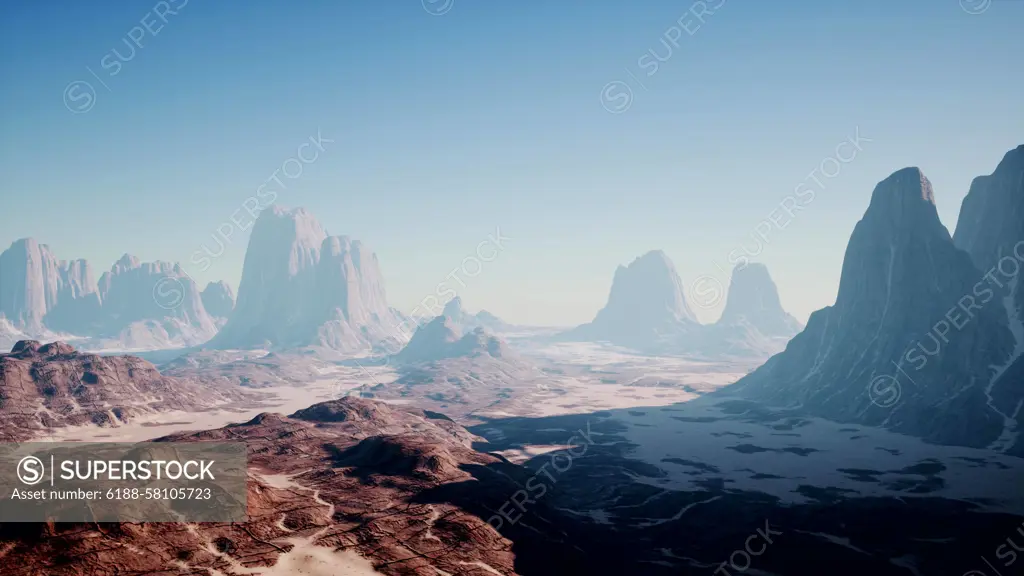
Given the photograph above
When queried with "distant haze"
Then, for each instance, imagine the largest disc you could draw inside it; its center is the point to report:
(422, 135)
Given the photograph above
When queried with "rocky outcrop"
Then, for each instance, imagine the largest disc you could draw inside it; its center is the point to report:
(344, 487)
(646, 308)
(301, 287)
(441, 339)
(912, 338)
(218, 299)
(468, 321)
(44, 387)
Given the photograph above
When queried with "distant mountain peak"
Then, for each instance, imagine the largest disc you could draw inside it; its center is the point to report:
(646, 307)
(218, 299)
(302, 287)
(652, 285)
(885, 353)
(903, 189)
(453, 309)
(441, 338)
(125, 262)
(753, 299)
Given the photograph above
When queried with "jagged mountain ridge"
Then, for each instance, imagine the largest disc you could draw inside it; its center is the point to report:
(885, 353)
(991, 229)
(133, 305)
(753, 323)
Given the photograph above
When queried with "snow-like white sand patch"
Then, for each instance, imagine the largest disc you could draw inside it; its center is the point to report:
(815, 452)
(524, 453)
(305, 559)
(285, 400)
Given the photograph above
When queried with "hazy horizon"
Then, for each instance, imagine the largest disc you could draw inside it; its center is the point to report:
(446, 128)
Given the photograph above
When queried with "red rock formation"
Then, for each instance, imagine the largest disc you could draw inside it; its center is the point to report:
(400, 489)
(53, 385)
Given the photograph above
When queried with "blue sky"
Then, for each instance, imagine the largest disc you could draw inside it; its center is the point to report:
(491, 116)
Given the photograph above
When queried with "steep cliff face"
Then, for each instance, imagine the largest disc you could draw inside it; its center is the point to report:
(78, 309)
(991, 230)
(134, 305)
(301, 287)
(31, 281)
(277, 276)
(912, 338)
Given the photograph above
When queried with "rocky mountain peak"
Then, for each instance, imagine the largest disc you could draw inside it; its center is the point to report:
(899, 241)
(991, 218)
(441, 338)
(453, 309)
(646, 308)
(218, 299)
(648, 290)
(126, 262)
(908, 185)
(301, 287)
(903, 205)
(754, 299)
(909, 302)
